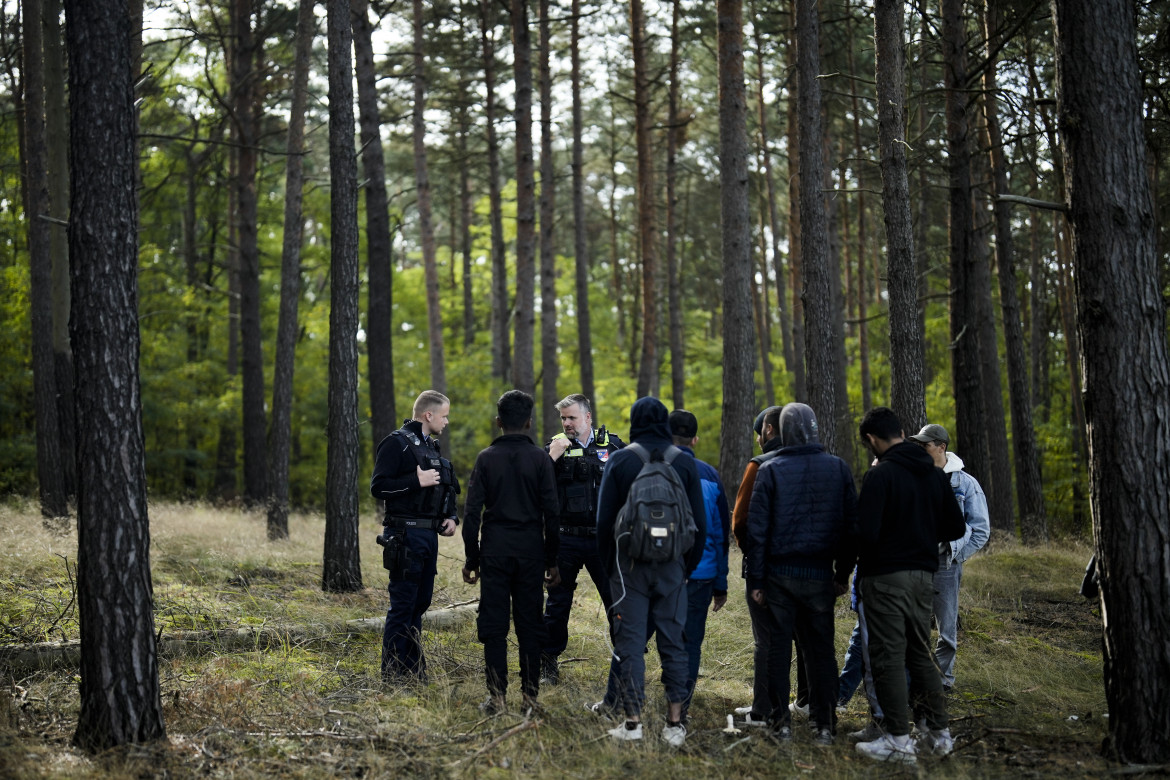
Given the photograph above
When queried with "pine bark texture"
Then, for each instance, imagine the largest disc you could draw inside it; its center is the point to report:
(342, 569)
(379, 261)
(580, 229)
(1121, 319)
(814, 247)
(738, 408)
(673, 266)
(1029, 489)
(425, 226)
(120, 699)
(549, 364)
(501, 312)
(246, 88)
(290, 280)
(647, 202)
(523, 377)
(907, 351)
(50, 476)
(795, 228)
(969, 438)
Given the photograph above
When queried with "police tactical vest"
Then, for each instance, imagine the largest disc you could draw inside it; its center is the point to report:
(432, 503)
(579, 476)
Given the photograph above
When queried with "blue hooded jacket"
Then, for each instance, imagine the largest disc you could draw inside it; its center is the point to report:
(713, 565)
(649, 427)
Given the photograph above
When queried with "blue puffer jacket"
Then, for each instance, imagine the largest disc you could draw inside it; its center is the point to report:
(713, 565)
(803, 508)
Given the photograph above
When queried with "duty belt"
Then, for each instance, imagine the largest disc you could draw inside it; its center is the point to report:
(399, 523)
(578, 530)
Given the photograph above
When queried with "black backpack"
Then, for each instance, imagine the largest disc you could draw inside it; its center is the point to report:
(656, 524)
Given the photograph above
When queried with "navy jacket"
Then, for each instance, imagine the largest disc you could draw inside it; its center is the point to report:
(649, 427)
(801, 516)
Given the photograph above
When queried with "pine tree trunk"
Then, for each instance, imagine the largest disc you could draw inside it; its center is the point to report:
(50, 476)
(1030, 490)
(773, 222)
(246, 95)
(522, 369)
(290, 277)
(120, 698)
(226, 488)
(342, 571)
(379, 236)
(501, 346)
(738, 408)
(907, 352)
(1121, 319)
(814, 247)
(673, 267)
(647, 206)
(57, 142)
(549, 367)
(580, 229)
(795, 230)
(970, 439)
(423, 188)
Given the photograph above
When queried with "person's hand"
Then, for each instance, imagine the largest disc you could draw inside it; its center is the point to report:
(758, 596)
(718, 602)
(552, 577)
(470, 576)
(558, 447)
(448, 527)
(428, 478)
(840, 588)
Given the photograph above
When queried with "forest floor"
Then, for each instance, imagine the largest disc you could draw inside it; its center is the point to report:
(1029, 700)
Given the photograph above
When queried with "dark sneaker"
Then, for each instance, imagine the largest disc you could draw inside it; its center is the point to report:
(602, 709)
(823, 738)
(493, 705)
(783, 735)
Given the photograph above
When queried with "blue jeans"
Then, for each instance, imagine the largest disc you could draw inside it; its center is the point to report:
(410, 597)
(699, 595)
(851, 672)
(804, 608)
(946, 613)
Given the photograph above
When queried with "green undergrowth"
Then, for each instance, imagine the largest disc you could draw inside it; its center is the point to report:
(1029, 699)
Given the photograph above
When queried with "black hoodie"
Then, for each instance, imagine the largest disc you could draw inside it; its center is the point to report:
(905, 509)
(649, 426)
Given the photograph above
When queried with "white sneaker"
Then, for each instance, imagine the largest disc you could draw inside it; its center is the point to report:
(899, 750)
(797, 711)
(743, 710)
(751, 719)
(939, 742)
(623, 733)
(674, 736)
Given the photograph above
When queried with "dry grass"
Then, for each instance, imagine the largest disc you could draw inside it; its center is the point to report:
(1029, 660)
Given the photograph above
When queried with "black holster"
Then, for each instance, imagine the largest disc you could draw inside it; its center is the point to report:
(395, 555)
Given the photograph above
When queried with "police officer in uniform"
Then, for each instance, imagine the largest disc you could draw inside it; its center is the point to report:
(579, 456)
(419, 487)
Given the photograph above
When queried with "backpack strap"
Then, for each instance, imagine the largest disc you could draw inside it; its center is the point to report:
(641, 451)
(671, 453)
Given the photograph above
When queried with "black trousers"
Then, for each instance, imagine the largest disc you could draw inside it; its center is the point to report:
(518, 583)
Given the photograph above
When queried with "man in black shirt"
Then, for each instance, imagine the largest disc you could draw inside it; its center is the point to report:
(513, 479)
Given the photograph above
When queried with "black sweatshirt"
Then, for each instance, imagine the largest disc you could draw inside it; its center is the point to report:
(514, 480)
(905, 509)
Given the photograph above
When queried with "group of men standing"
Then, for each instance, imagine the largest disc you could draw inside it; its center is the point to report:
(536, 517)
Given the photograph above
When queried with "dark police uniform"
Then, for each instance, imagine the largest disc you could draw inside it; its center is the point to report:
(578, 473)
(411, 548)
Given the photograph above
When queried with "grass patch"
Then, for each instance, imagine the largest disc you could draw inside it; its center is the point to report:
(1029, 698)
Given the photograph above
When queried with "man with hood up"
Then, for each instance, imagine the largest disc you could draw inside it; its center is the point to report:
(642, 591)
(802, 511)
(906, 508)
(973, 503)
